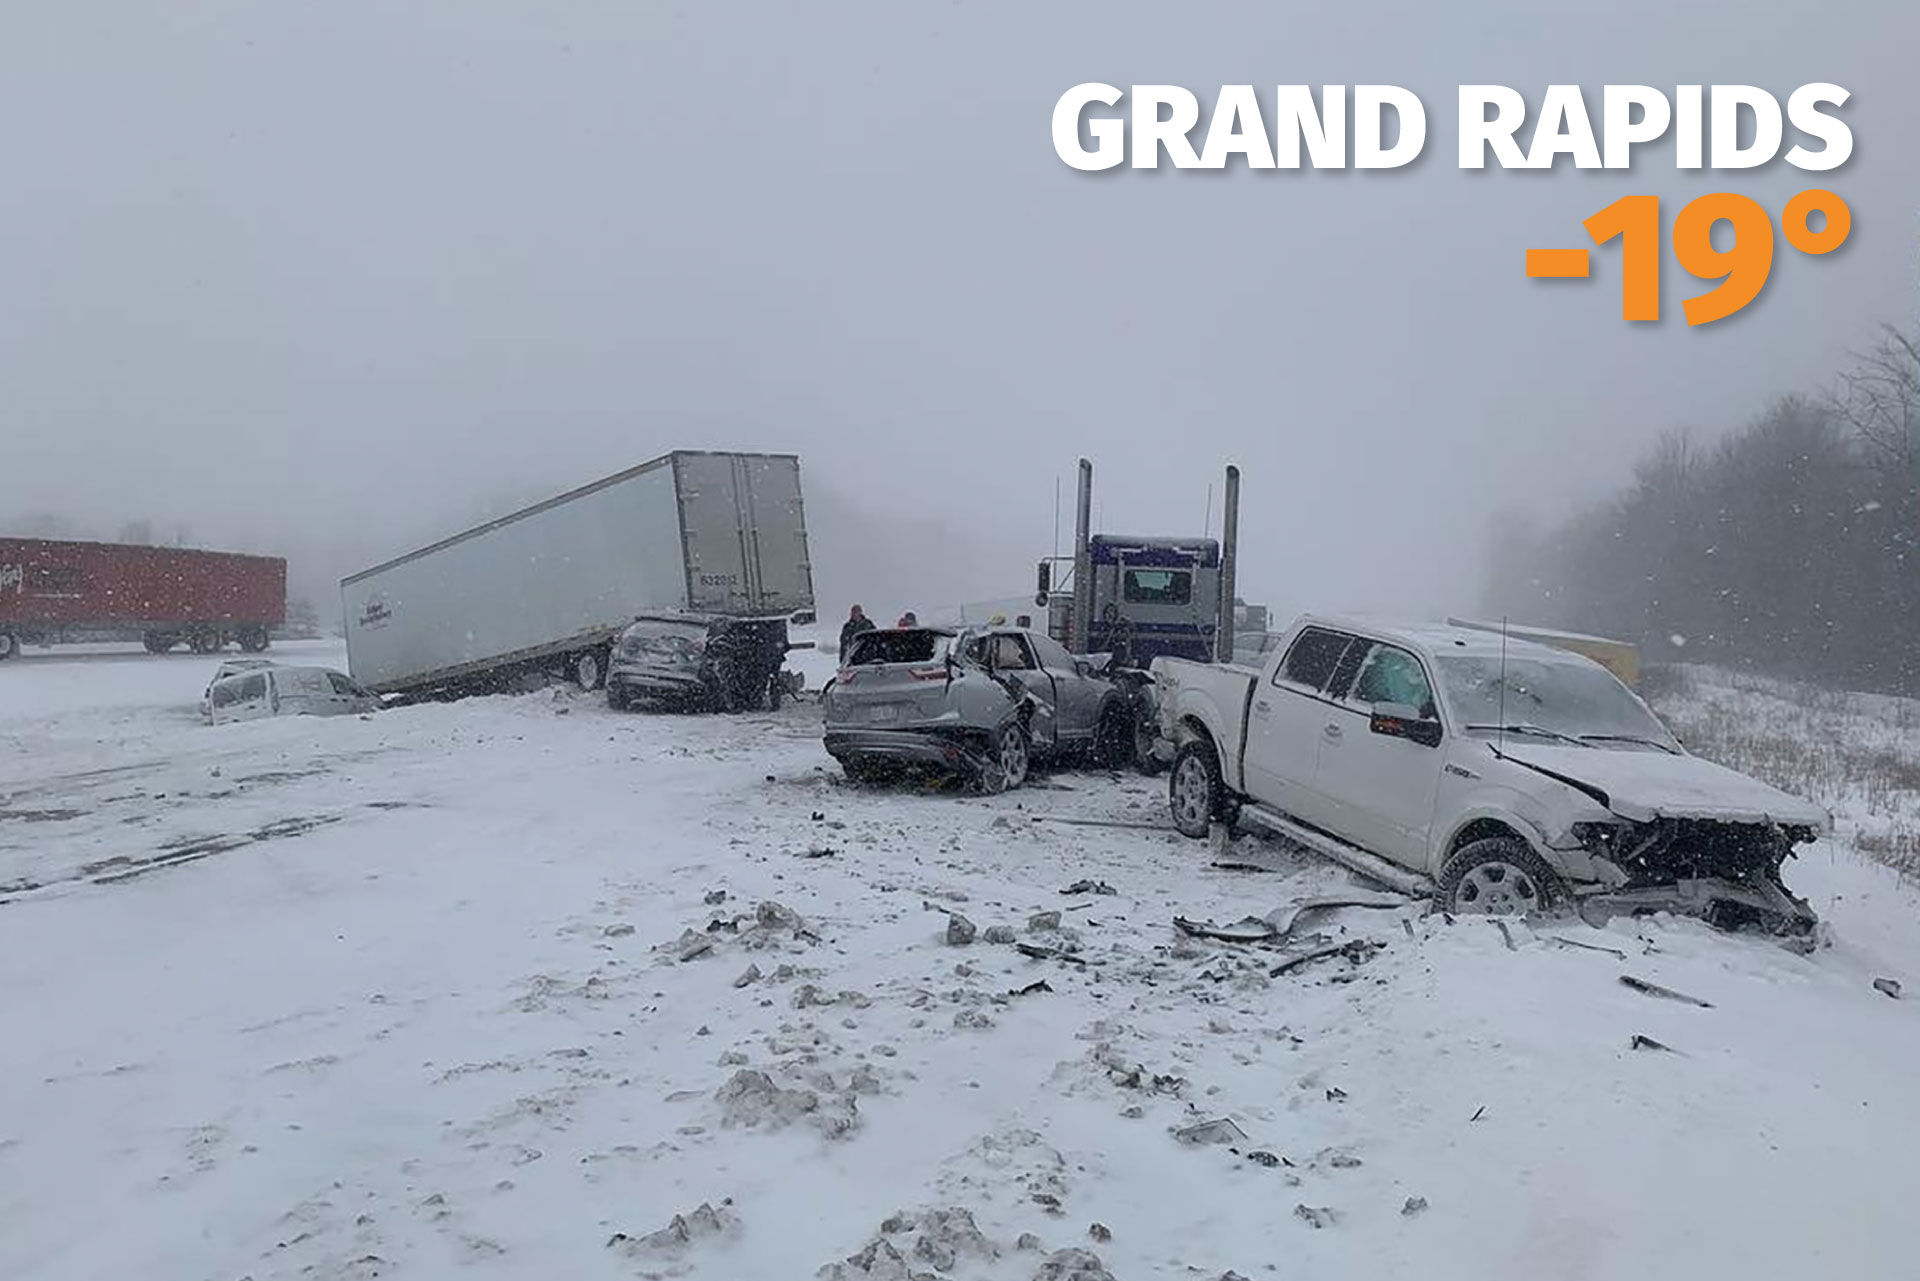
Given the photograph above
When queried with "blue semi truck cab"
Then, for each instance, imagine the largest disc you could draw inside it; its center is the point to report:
(1151, 598)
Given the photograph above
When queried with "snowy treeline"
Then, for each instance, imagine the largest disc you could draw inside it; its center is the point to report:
(1791, 545)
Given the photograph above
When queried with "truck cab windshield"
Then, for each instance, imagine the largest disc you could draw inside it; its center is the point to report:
(1569, 701)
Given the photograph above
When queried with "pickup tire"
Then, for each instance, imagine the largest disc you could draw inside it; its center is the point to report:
(1195, 792)
(1499, 876)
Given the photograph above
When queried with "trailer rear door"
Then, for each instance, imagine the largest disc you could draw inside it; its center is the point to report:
(744, 530)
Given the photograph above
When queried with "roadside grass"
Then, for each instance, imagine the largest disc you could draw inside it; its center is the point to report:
(1858, 754)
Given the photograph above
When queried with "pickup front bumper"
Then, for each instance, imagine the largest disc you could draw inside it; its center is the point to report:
(1725, 904)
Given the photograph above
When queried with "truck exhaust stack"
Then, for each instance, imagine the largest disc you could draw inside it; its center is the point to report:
(1083, 560)
(1229, 562)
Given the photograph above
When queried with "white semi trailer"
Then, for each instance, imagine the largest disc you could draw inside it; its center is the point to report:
(551, 587)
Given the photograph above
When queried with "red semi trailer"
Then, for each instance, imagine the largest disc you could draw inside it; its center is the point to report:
(170, 595)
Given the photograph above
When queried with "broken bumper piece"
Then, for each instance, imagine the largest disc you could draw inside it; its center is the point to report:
(1725, 904)
(902, 747)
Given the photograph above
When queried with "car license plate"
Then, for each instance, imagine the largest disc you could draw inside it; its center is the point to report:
(884, 712)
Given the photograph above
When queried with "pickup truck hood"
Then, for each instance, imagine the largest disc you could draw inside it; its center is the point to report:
(1647, 785)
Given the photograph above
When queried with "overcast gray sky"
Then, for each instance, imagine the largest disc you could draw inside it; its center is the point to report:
(333, 278)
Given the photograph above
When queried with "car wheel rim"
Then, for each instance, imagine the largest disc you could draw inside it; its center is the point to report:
(1013, 757)
(6, 644)
(1191, 790)
(587, 671)
(1497, 889)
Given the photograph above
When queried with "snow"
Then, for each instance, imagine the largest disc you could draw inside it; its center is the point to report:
(402, 995)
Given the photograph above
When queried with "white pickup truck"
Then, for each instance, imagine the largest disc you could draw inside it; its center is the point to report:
(1499, 776)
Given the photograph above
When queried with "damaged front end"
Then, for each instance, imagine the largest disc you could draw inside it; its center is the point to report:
(1724, 872)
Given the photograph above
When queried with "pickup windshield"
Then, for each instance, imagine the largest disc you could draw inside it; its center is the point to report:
(1554, 700)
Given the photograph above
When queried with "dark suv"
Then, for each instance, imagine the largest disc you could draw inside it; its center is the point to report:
(699, 661)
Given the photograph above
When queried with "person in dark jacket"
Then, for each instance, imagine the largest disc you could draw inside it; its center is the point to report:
(857, 622)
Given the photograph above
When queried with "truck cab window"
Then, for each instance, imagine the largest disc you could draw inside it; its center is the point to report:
(1393, 676)
(1312, 658)
(1157, 587)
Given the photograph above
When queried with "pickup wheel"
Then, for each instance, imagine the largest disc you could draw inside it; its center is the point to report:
(8, 646)
(1195, 793)
(1499, 876)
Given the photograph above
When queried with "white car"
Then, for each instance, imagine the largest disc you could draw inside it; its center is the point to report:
(230, 667)
(275, 690)
(1501, 777)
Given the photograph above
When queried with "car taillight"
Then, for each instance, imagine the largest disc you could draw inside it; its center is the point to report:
(928, 673)
(845, 676)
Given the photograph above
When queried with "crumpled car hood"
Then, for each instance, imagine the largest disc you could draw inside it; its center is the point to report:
(1643, 786)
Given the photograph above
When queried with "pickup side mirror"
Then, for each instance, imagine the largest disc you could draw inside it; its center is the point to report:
(1398, 720)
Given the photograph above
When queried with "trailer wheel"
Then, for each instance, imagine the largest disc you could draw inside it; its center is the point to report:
(206, 642)
(253, 640)
(9, 646)
(589, 670)
(158, 642)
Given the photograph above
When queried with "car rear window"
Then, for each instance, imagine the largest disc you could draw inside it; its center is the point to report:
(1312, 657)
(911, 646)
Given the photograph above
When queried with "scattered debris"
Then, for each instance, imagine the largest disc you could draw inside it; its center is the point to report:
(1415, 1205)
(1130, 824)
(748, 976)
(1359, 951)
(1251, 929)
(818, 851)
(1477, 1114)
(1039, 953)
(1262, 1157)
(1337, 1095)
(1640, 1042)
(1038, 985)
(1317, 1216)
(1888, 987)
(1590, 947)
(715, 898)
(1506, 935)
(1042, 921)
(1000, 934)
(960, 930)
(1219, 1130)
(1665, 993)
(690, 945)
(1089, 887)
(1100, 1232)
(618, 931)
(1278, 925)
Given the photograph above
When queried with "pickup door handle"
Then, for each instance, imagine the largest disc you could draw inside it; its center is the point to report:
(1332, 729)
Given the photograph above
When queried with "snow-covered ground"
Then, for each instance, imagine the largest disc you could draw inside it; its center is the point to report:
(502, 987)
